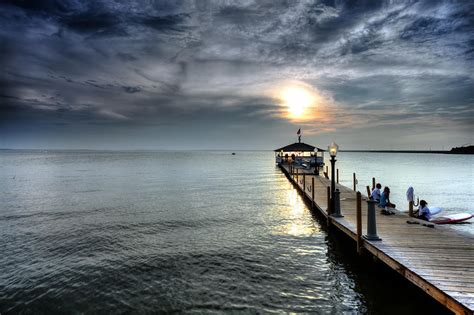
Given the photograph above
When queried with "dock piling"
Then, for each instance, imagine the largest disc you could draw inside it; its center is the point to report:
(336, 213)
(368, 191)
(328, 210)
(373, 183)
(371, 222)
(410, 209)
(359, 223)
(354, 180)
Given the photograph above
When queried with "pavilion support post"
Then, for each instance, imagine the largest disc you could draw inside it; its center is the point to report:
(359, 223)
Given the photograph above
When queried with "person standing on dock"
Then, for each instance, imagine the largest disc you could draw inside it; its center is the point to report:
(375, 195)
(423, 211)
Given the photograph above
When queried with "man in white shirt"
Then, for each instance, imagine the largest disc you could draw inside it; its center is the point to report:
(423, 211)
(375, 195)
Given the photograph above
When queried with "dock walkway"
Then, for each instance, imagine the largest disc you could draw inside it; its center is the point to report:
(438, 260)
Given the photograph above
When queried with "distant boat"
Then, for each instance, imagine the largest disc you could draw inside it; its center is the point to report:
(233, 153)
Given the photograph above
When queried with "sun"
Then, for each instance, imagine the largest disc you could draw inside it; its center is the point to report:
(297, 100)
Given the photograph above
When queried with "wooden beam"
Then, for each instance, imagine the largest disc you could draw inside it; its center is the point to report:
(354, 181)
(359, 223)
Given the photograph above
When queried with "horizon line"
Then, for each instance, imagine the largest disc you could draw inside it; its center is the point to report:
(223, 150)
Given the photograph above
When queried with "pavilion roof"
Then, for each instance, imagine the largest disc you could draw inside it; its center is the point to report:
(298, 147)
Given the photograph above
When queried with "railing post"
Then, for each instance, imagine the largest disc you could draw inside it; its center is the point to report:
(368, 191)
(327, 170)
(359, 223)
(354, 180)
(328, 210)
(410, 209)
(304, 184)
(336, 213)
(371, 222)
(337, 176)
(312, 190)
(297, 171)
(373, 183)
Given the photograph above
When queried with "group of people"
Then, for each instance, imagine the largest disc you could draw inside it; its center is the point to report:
(383, 198)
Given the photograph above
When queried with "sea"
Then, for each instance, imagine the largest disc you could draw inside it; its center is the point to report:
(86, 232)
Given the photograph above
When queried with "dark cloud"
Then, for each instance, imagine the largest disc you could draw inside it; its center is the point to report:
(126, 57)
(161, 23)
(91, 22)
(206, 64)
(132, 89)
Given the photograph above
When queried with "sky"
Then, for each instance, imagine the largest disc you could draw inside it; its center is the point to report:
(178, 75)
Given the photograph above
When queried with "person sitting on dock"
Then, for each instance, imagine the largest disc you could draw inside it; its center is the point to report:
(375, 195)
(385, 202)
(423, 211)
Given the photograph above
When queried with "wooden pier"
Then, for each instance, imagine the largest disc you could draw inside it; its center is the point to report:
(439, 260)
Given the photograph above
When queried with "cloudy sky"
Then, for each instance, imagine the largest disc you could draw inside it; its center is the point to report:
(228, 74)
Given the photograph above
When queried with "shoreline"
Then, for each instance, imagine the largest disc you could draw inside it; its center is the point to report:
(401, 151)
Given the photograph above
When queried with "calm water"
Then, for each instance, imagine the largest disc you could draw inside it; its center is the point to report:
(88, 232)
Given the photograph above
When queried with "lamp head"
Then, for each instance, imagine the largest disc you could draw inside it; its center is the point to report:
(333, 149)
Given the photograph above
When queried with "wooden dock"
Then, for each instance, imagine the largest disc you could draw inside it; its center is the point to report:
(438, 260)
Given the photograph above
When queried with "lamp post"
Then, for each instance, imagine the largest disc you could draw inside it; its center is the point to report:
(333, 152)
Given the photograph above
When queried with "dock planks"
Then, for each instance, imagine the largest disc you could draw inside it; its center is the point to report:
(439, 260)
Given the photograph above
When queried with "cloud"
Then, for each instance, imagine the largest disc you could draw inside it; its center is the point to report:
(139, 63)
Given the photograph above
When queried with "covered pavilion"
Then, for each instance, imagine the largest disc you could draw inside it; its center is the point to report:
(300, 153)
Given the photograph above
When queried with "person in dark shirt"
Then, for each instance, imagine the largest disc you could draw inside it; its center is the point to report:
(385, 203)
